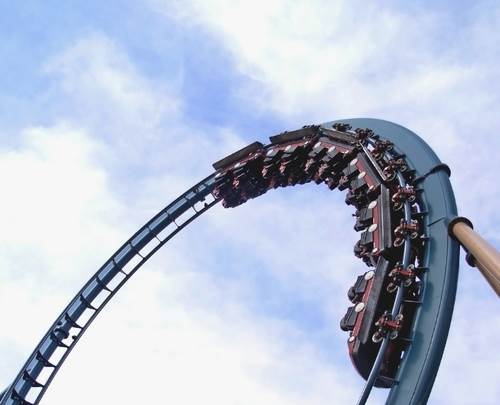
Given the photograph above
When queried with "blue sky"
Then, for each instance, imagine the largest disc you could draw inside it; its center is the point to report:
(109, 111)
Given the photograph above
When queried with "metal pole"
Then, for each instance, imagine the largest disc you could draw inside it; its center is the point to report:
(480, 253)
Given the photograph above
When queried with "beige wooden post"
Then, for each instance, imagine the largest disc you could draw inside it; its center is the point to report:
(484, 256)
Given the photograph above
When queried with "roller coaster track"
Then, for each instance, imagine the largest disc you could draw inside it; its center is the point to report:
(402, 305)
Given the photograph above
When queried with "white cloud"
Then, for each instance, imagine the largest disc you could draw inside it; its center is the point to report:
(177, 334)
(316, 61)
(178, 352)
(64, 216)
(188, 333)
(431, 70)
(97, 75)
(469, 363)
(97, 85)
(53, 189)
(59, 220)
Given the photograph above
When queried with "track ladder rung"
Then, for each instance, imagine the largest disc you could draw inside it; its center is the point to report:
(118, 267)
(57, 340)
(415, 302)
(388, 380)
(86, 302)
(137, 252)
(44, 360)
(16, 397)
(34, 383)
(421, 269)
(71, 321)
(102, 284)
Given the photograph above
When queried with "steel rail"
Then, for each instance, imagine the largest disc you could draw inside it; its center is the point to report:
(27, 387)
(421, 359)
(397, 306)
(406, 256)
(420, 363)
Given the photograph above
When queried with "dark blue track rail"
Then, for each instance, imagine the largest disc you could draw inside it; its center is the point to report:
(47, 358)
(420, 363)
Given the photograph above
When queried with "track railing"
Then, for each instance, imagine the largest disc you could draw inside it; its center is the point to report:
(401, 306)
(47, 358)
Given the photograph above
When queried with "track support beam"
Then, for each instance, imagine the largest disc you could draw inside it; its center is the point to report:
(480, 253)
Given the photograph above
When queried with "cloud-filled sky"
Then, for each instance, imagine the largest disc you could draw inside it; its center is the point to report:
(109, 110)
